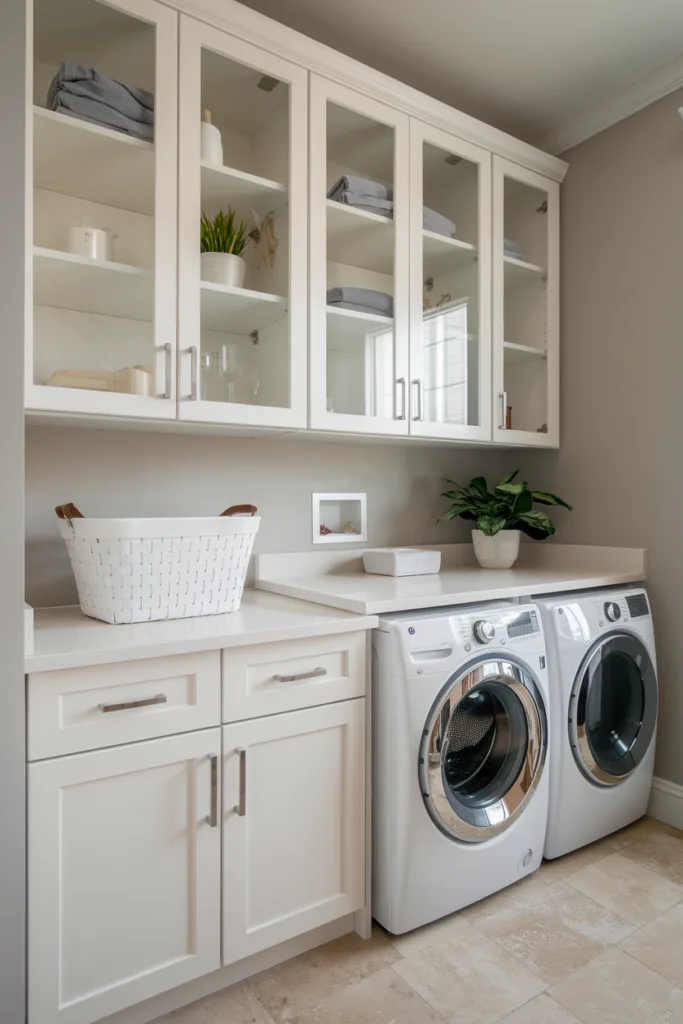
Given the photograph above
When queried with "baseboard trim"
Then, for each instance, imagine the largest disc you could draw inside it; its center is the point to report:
(666, 802)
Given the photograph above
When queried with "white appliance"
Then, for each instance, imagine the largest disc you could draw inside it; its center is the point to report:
(460, 783)
(603, 713)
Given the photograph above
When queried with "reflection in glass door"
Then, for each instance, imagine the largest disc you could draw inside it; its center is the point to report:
(526, 271)
(450, 286)
(243, 232)
(359, 262)
(103, 263)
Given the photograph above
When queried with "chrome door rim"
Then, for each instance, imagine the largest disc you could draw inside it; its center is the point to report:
(578, 731)
(519, 680)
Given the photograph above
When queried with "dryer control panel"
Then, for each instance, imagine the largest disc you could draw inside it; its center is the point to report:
(581, 619)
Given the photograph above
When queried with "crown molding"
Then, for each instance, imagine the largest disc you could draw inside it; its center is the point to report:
(297, 48)
(635, 97)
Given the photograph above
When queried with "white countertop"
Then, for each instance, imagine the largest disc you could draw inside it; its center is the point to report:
(65, 638)
(339, 581)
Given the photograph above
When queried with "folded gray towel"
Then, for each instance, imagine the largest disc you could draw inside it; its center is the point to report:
(512, 249)
(363, 186)
(436, 222)
(366, 300)
(431, 220)
(84, 93)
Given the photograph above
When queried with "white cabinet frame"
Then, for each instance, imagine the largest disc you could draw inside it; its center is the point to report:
(502, 169)
(161, 406)
(322, 91)
(195, 35)
(421, 133)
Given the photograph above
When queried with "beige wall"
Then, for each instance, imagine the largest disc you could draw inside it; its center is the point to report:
(142, 474)
(621, 460)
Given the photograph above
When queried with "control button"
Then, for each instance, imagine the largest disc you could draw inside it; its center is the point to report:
(484, 631)
(612, 611)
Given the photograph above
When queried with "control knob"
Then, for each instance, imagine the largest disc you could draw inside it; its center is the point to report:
(612, 611)
(484, 631)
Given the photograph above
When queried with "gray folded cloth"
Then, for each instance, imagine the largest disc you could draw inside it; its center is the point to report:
(361, 186)
(364, 300)
(436, 222)
(512, 249)
(431, 220)
(85, 94)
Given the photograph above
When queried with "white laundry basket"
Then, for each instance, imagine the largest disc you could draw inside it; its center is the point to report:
(137, 570)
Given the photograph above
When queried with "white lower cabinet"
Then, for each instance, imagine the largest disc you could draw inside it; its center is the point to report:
(124, 875)
(293, 824)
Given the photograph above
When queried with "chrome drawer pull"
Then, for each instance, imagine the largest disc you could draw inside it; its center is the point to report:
(212, 817)
(160, 698)
(313, 674)
(241, 808)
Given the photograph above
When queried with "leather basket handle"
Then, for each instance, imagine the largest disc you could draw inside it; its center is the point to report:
(237, 510)
(68, 511)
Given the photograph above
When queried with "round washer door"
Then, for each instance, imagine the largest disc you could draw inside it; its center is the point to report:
(483, 750)
(613, 709)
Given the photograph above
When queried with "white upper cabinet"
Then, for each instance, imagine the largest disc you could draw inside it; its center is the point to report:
(101, 208)
(242, 155)
(526, 213)
(359, 265)
(450, 291)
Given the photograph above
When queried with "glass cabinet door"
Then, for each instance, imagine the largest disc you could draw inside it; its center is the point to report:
(526, 306)
(359, 262)
(102, 215)
(450, 236)
(242, 232)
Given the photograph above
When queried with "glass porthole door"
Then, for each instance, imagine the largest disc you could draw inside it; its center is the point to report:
(483, 750)
(613, 710)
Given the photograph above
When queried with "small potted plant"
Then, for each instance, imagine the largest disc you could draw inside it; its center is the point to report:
(223, 240)
(501, 517)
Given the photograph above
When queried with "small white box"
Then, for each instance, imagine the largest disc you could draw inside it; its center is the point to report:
(401, 561)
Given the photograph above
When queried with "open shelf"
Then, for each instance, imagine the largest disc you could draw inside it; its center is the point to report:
(77, 158)
(66, 281)
(356, 314)
(229, 187)
(359, 238)
(515, 353)
(518, 272)
(442, 254)
(238, 310)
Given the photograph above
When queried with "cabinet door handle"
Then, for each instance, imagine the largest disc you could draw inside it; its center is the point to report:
(212, 816)
(420, 399)
(503, 409)
(313, 674)
(401, 381)
(168, 375)
(194, 373)
(241, 808)
(125, 705)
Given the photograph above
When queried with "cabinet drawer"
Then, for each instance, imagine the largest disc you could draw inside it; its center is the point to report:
(272, 678)
(85, 708)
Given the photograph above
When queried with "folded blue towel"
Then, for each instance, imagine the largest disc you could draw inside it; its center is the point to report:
(365, 300)
(361, 186)
(512, 249)
(86, 94)
(357, 192)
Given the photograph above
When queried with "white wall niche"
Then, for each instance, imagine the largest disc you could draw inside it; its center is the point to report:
(336, 511)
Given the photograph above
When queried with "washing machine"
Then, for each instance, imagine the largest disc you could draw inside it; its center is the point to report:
(460, 779)
(603, 713)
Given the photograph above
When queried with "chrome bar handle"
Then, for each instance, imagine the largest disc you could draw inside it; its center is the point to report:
(212, 816)
(402, 382)
(313, 674)
(241, 808)
(125, 705)
(503, 409)
(194, 373)
(420, 399)
(168, 370)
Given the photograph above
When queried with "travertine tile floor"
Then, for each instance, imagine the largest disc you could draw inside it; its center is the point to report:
(596, 937)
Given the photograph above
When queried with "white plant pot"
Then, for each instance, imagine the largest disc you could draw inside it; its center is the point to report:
(223, 268)
(499, 552)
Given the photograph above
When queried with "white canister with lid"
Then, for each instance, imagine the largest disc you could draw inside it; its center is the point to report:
(93, 243)
(211, 143)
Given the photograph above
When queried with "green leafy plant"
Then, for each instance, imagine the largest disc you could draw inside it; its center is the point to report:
(509, 507)
(223, 233)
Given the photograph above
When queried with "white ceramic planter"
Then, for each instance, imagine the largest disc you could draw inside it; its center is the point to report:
(223, 268)
(499, 552)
